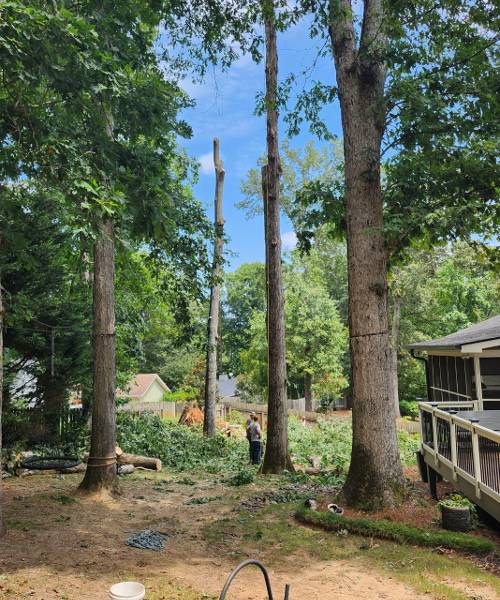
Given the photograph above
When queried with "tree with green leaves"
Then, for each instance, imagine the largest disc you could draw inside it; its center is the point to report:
(316, 338)
(244, 293)
(400, 71)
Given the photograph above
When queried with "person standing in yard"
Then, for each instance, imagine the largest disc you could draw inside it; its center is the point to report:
(255, 441)
(249, 436)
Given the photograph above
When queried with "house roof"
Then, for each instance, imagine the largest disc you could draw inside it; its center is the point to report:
(480, 333)
(141, 383)
(227, 386)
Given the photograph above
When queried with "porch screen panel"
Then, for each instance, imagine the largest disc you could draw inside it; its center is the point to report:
(461, 382)
(435, 379)
(443, 370)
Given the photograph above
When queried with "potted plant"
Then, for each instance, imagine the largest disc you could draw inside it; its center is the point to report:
(457, 513)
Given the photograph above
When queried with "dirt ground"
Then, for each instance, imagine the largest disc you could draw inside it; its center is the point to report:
(61, 547)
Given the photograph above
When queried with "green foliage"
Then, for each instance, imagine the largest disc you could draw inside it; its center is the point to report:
(397, 532)
(457, 501)
(440, 291)
(408, 408)
(178, 446)
(244, 292)
(331, 441)
(187, 394)
(316, 339)
(243, 476)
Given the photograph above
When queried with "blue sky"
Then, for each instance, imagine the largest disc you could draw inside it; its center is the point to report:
(225, 105)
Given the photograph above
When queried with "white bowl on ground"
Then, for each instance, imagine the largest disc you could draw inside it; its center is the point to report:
(127, 590)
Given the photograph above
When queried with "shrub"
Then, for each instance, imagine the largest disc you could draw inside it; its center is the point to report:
(408, 408)
(397, 532)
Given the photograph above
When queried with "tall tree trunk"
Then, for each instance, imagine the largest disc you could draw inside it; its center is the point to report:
(2, 528)
(276, 458)
(213, 318)
(375, 473)
(393, 365)
(101, 467)
(308, 392)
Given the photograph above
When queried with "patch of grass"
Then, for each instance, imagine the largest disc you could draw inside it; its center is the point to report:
(186, 481)
(63, 499)
(430, 572)
(27, 525)
(273, 535)
(397, 532)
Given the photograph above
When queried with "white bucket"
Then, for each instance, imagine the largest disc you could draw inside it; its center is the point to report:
(127, 590)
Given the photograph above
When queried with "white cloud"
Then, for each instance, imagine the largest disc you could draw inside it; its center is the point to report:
(288, 240)
(206, 163)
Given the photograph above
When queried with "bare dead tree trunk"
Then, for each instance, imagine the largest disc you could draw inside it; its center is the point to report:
(276, 458)
(2, 526)
(100, 475)
(375, 474)
(308, 392)
(394, 343)
(213, 318)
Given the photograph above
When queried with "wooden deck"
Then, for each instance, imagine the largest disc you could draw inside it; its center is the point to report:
(463, 446)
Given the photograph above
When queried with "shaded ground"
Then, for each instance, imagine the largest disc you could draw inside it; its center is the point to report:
(59, 547)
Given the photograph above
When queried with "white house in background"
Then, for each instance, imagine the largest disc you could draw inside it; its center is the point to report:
(145, 387)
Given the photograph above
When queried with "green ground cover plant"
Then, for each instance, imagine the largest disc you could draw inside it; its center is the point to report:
(185, 448)
(397, 532)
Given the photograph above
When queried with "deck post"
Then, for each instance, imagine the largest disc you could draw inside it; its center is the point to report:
(453, 444)
(432, 476)
(435, 444)
(477, 377)
(477, 460)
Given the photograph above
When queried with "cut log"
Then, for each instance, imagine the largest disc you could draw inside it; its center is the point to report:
(118, 451)
(81, 468)
(139, 461)
(312, 471)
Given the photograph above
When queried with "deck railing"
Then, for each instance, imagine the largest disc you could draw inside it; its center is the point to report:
(470, 450)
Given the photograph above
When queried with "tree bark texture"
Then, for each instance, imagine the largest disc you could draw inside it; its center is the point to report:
(276, 456)
(394, 343)
(213, 317)
(101, 470)
(375, 474)
(308, 392)
(2, 527)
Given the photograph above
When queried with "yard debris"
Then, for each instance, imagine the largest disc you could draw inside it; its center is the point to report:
(202, 500)
(149, 539)
(146, 462)
(335, 509)
(191, 415)
(125, 469)
(289, 493)
(315, 462)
